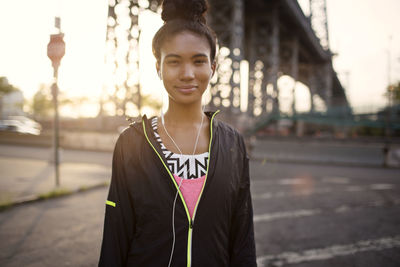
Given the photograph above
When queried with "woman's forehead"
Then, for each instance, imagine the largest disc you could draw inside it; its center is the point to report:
(185, 43)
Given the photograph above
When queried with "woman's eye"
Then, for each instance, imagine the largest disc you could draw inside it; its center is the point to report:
(200, 61)
(172, 62)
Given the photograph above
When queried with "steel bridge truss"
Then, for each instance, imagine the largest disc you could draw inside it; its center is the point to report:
(274, 36)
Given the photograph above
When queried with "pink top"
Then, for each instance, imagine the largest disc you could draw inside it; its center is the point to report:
(190, 189)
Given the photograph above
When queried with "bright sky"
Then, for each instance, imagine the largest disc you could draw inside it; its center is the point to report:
(362, 32)
(359, 33)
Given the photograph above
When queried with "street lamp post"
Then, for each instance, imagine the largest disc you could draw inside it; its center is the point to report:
(55, 51)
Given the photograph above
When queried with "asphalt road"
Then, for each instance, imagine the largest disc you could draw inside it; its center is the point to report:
(319, 215)
(305, 215)
(333, 152)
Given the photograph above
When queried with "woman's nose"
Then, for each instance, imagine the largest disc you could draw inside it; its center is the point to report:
(187, 72)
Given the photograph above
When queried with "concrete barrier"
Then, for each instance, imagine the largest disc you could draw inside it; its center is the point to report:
(68, 139)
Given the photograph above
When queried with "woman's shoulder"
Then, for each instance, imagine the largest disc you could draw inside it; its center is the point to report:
(132, 134)
(226, 128)
(229, 133)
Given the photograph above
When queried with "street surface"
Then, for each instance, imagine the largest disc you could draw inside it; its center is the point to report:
(333, 152)
(317, 215)
(304, 216)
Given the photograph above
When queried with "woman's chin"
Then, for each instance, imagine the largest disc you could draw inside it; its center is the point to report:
(185, 99)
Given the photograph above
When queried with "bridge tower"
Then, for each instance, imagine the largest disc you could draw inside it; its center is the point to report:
(319, 21)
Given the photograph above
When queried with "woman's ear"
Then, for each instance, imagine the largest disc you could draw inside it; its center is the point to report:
(158, 69)
(213, 67)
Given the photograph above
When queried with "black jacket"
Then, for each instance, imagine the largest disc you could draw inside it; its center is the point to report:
(138, 226)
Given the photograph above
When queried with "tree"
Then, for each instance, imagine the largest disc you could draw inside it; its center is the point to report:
(42, 105)
(152, 102)
(5, 87)
(393, 92)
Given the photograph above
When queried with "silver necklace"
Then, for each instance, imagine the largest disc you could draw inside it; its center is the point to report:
(173, 141)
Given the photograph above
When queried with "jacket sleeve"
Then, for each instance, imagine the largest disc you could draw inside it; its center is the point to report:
(242, 244)
(119, 215)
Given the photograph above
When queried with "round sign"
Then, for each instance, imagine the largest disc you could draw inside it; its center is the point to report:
(56, 48)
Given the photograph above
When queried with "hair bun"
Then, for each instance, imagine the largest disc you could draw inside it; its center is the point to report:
(194, 10)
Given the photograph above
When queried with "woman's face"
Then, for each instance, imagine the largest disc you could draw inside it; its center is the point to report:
(185, 67)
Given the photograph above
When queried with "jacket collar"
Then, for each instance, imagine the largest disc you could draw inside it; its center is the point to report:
(138, 126)
(147, 121)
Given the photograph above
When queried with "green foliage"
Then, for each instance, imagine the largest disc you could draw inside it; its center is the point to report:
(58, 192)
(369, 131)
(42, 105)
(393, 91)
(5, 87)
(150, 101)
(5, 205)
(6, 201)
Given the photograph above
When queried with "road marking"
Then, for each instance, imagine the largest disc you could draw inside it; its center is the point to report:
(335, 180)
(279, 194)
(293, 181)
(284, 214)
(302, 180)
(269, 181)
(319, 254)
(381, 186)
(354, 188)
(342, 209)
(323, 190)
(310, 212)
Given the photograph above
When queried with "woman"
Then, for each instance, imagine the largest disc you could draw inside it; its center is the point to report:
(180, 192)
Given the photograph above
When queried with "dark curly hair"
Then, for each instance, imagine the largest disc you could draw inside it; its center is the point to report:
(184, 15)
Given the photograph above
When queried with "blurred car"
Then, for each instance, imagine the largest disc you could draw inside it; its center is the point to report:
(27, 121)
(21, 124)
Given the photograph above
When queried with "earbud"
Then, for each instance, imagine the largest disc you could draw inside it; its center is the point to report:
(162, 117)
(159, 75)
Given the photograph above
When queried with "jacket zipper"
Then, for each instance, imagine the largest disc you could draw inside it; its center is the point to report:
(190, 220)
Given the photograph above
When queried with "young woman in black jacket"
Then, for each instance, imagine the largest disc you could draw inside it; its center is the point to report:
(180, 187)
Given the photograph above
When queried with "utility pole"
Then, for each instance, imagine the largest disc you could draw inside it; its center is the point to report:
(55, 51)
(388, 91)
(386, 149)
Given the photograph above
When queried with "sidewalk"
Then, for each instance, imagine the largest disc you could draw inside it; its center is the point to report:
(27, 179)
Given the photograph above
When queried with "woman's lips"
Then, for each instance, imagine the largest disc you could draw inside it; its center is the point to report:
(187, 89)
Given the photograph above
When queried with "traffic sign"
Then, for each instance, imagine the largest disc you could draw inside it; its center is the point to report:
(56, 48)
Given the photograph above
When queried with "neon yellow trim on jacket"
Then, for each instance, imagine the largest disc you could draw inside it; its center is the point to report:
(208, 163)
(108, 202)
(169, 172)
(189, 245)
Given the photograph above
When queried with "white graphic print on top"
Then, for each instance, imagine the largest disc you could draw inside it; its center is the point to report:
(185, 166)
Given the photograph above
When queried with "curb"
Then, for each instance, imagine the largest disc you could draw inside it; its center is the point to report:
(53, 194)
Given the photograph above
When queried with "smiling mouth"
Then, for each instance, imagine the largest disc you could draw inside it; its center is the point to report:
(186, 89)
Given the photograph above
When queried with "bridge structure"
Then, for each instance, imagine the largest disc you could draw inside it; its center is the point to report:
(274, 37)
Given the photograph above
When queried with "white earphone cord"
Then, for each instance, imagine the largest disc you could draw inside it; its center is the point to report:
(173, 224)
(177, 191)
(173, 141)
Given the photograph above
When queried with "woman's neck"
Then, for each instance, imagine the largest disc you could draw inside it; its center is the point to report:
(183, 115)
